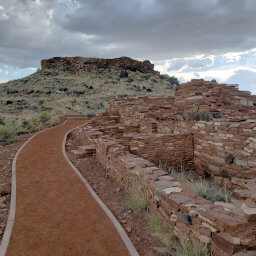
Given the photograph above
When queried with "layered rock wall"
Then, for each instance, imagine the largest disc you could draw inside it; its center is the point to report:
(74, 64)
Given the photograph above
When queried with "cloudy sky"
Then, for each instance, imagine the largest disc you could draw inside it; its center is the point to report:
(186, 38)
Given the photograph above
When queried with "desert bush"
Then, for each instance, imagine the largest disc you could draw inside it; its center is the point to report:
(160, 230)
(203, 187)
(7, 135)
(1, 121)
(138, 199)
(173, 80)
(44, 116)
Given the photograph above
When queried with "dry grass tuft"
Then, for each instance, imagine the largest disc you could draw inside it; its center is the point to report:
(160, 230)
(138, 199)
(203, 187)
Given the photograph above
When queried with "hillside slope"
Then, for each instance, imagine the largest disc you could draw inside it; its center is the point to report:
(79, 85)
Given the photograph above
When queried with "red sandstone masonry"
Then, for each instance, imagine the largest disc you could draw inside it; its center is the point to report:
(216, 126)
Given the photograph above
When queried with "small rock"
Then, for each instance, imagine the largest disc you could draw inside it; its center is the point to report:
(137, 239)
(121, 217)
(128, 229)
(118, 189)
(129, 212)
(123, 221)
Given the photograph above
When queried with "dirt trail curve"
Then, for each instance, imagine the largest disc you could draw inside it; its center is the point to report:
(55, 212)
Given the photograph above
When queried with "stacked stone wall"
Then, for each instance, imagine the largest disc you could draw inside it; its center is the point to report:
(210, 126)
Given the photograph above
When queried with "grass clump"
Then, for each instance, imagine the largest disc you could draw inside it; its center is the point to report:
(205, 188)
(160, 230)
(44, 117)
(185, 248)
(211, 191)
(7, 136)
(191, 248)
(138, 200)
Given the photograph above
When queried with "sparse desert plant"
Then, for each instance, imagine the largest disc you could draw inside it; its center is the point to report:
(138, 199)
(7, 135)
(1, 121)
(203, 187)
(160, 230)
(211, 191)
(190, 247)
(44, 116)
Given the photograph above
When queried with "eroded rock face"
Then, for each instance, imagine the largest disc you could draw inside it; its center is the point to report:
(74, 64)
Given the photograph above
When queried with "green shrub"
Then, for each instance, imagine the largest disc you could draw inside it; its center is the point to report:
(204, 188)
(138, 200)
(160, 230)
(44, 116)
(7, 136)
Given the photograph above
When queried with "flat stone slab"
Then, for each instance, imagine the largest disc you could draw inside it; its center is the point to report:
(78, 154)
(87, 150)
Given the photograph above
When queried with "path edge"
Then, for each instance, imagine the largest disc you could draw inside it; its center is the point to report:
(11, 216)
(131, 248)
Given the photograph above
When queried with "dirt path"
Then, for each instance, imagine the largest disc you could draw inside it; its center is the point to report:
(55, 212)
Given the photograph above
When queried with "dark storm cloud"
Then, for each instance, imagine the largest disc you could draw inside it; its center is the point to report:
(144, 29)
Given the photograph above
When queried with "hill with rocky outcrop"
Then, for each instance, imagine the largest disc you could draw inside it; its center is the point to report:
(80, 85)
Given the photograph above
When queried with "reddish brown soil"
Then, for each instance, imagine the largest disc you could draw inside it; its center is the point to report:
(55, 213)
(115, 197)
(7, 154)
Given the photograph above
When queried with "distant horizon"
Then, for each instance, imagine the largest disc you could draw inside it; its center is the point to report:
(185, 69)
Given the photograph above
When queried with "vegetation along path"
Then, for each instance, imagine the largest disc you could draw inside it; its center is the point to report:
(55, 212)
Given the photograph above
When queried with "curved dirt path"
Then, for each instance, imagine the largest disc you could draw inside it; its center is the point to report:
(55, 212)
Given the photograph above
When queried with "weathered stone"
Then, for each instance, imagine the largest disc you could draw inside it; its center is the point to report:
(78, 154)
(171, 190)
(223, 245)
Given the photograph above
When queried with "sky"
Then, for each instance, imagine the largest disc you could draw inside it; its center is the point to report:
(210, 39)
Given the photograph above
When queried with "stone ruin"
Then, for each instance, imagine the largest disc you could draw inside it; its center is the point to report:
(208, 127)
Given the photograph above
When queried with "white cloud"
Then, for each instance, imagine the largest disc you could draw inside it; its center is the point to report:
(6, 72)
(1, 70)
(3, 81)
(221, 75)
(3, 15)
(233, 56)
